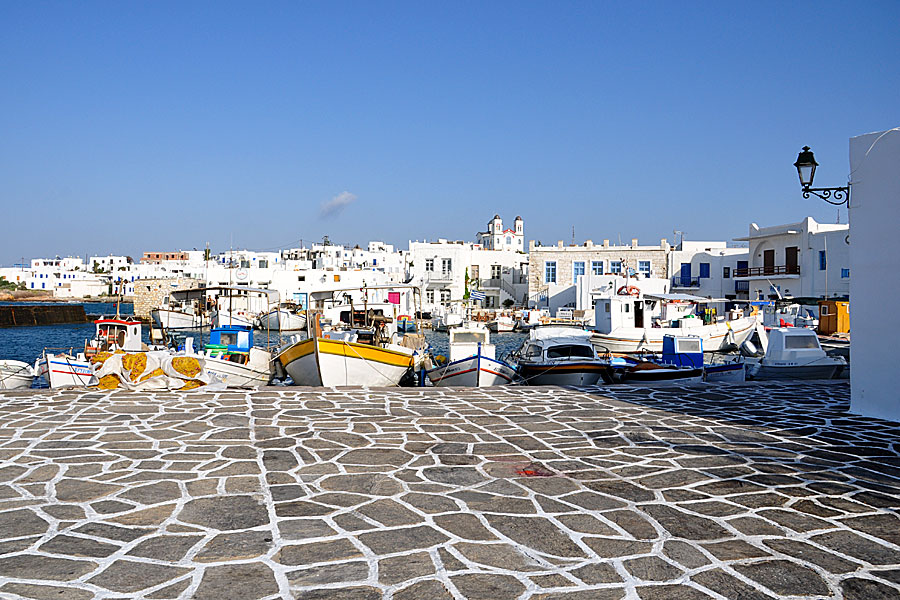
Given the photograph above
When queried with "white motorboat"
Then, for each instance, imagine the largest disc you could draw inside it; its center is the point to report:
(15, 374)
(793, 353)
(559, 356)
(232, 357)
(173, 319)
(285, 317)
(502, 324)
(626, 323)
(443, 318)
(472, 361)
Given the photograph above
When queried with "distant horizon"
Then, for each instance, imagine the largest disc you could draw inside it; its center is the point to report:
(143, 127)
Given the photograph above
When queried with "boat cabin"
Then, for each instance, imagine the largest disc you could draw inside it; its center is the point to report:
(793, 345)
(115, 334)
(230, 339)
(468, 341)
(654, 310)
(558, 343)
(686, 351)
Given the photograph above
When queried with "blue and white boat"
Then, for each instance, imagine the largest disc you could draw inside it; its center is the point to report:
(472, 361)
(232, 357)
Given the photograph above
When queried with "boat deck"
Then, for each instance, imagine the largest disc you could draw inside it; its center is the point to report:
(722, 491)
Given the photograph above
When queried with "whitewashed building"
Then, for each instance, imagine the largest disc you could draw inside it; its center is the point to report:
(874, 214)
(797, 260)
(498, 238)
(708, 269)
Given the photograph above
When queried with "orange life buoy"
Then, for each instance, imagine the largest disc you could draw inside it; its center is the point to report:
(629, 291)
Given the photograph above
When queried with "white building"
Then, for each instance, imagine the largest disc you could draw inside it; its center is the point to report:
(498, 238)
(797, 260)
(441, 269)
(554, 271)
(875, 286)
(708, 269)
(108, 263)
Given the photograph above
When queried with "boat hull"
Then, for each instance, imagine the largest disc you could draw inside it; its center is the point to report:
(664, 376)
(61, 370)
(474, 371)
(819, 371)
(321, 362)
(236, 375)
(569, 373)
(15, 375)
(282, 320)
(725, 373)
(173, 319)
(632, 339)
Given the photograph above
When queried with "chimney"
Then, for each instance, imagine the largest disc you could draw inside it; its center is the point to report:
(634, 242)
(530, 245)
(589, 244)
(559, 244)
(606, 243)
(664, 244)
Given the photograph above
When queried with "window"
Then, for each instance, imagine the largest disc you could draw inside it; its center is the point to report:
(798, 342)
(533, 352)
(508, 241)
(845, 273)
(429, 265)
(726, 272)
(263, 263)
(429, 296)
(577, 269)
(301, 277)
(570, 351)
(822, 261)
(446, 267)
(644, 267)
(597, 267)
(495, 271)
(445, 297)
(615, 266)
(550, 271)
(704, 270)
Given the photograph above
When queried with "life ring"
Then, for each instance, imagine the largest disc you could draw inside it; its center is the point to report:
(629, 291)
(241, 274)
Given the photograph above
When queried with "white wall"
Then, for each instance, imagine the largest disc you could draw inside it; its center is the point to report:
(875, 279)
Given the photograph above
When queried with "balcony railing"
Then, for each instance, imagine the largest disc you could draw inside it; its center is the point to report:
(766, 271)
(438, 276)
(490, 283)
(685, 282)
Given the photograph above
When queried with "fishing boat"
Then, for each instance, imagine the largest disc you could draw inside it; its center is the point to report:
(353, 341)
(555, 355)
(793, 353)
(64, 369)
(287, 316)
(232, 357)
(443, 318)
(633, 322)
(681, 362)
(406, 324)
(15, 374)
(502, 324)
(472, 361)
(182, 309)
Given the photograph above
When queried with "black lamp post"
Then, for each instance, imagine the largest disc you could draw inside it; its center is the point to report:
(806, 168)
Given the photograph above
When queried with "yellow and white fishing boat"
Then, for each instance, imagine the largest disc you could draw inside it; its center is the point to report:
(339, 358)
(354, 342)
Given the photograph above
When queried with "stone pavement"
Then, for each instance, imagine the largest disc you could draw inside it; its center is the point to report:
(742, 492)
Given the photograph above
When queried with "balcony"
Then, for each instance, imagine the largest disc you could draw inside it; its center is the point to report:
(490, 283)
(438, 276)
(680, 281)
(772, 271)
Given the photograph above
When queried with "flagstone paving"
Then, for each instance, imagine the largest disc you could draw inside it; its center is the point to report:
(724, 491)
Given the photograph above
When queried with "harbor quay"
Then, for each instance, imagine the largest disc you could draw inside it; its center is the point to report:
(733, 491)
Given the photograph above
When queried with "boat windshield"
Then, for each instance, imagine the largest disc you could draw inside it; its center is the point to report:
(469, 337)
(795, 342)
(570, 351)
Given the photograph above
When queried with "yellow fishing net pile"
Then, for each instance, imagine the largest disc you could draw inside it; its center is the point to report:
(157, 370)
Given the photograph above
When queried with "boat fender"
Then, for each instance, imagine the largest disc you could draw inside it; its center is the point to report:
(748, 348)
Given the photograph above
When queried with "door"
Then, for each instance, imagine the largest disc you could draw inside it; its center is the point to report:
(685, 274)
(768, 262)
(791, 259)
(639, 313)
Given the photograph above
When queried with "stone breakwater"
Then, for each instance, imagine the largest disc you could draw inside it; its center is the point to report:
(52, 314)
(742, 492)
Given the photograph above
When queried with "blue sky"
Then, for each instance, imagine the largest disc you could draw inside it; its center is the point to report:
(131, 127)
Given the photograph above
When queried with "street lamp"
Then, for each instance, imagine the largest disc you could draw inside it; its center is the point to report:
(806, 169)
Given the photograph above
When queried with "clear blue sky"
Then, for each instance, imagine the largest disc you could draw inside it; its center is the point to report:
(128, 127)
